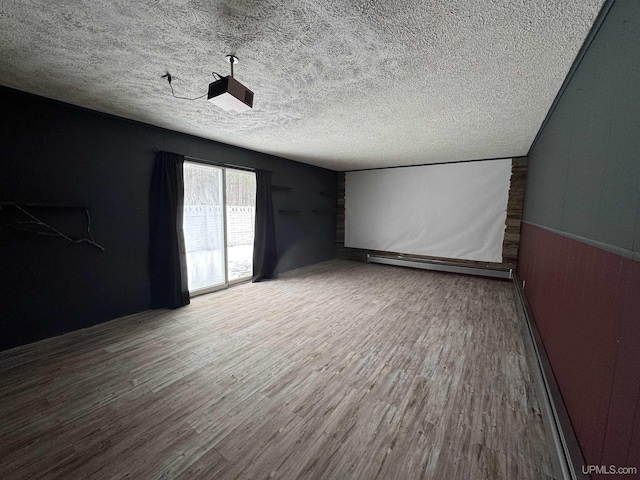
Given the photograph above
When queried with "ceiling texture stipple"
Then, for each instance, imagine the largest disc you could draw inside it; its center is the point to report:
(342, 84)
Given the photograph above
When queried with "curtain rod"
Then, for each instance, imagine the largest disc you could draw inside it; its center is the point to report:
(219, 164)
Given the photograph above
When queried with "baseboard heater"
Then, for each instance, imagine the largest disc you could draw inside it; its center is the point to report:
(568, 461)
(440, 266)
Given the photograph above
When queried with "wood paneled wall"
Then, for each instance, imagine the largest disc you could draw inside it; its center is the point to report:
(585, 302)
(510, 245)
(515, 205)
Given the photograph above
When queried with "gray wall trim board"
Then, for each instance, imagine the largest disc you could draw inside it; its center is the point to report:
(623, 252)
(568, 460)
(604, 11)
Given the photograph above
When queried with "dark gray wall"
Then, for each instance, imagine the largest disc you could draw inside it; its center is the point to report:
(584, 171)
(583, 191)
(56, 153)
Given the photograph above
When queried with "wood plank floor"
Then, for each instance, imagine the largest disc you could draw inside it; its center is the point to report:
(335, 371)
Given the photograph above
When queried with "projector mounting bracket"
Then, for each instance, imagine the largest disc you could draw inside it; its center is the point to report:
(232, 59)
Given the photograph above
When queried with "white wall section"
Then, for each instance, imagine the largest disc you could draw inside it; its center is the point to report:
(451, 210)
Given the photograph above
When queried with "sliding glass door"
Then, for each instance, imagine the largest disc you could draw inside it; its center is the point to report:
(219, 213)
(241, 219)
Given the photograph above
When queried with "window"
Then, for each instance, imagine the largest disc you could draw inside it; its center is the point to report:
(219, 218)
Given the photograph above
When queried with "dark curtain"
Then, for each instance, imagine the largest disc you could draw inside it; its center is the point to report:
(265, 256)
(167, 258)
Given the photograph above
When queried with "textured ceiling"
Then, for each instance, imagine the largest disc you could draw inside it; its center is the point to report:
(343, 84)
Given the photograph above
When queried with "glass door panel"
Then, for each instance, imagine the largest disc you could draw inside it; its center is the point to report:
(241, 214)
(203, 226)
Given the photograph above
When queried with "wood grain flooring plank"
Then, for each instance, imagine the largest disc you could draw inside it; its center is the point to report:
(208, 466)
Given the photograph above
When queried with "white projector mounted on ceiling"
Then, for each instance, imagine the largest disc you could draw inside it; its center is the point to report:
(229, 94)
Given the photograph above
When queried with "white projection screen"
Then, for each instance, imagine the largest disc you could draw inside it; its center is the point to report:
(455, 210)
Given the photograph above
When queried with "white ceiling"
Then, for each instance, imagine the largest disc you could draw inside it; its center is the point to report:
(343, 84)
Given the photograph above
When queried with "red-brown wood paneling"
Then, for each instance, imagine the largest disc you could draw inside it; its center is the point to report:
(586, 303)
(634, 448)
(626, 385)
